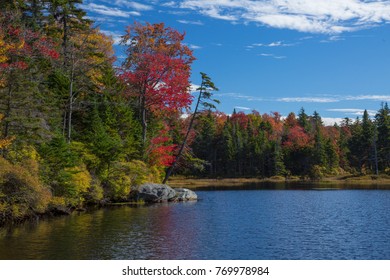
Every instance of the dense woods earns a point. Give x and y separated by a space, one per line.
76 128
266 145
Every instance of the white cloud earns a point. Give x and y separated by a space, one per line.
272 44
308 99
239 96
336 98
108 11
115 36
380 98
129 4
333 38
192 46
272 55
198 22
320 16
331 121
350 111
171 4
243 108
194 87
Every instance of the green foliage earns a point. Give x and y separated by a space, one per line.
317 172
124 175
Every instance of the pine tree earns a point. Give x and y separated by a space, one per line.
382 120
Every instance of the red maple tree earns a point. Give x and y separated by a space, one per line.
157 70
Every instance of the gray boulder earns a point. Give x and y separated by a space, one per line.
155 192
185 195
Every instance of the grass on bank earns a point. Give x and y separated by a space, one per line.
343 180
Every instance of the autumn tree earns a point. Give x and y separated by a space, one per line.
4 142
156 71
90 56
23 54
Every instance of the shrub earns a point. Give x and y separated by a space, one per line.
124 175
21 192
73 184
317 172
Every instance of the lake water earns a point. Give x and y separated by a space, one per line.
234 224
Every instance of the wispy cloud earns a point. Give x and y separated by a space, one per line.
242 108
130 4
331 121
192 46
380 98
320 16
108 11
194 87
308 99
272 55
197 22
171 4
116 36
313 99
240 96
350 111
336 98
273 44
333 38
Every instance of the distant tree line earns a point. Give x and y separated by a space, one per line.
255 145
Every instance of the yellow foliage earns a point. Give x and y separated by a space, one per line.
3 50
57 202
80 178
21 193
4 143
124 175
98 51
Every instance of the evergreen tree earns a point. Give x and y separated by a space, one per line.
361 144
382 121
303 120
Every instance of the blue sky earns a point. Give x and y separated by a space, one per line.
332 56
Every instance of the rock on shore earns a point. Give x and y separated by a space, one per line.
185 195
150 192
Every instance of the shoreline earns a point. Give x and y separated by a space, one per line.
342 182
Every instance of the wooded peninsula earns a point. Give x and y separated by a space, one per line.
78 126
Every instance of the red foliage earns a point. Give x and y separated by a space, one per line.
21 45
161 150
297 138
162 80
157 69
291 120
241 119
274 120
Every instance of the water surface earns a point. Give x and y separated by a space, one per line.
234 224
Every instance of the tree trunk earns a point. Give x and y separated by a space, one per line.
144 124
71 100
170 169
8 109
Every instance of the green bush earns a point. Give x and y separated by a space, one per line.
73 183
317 172
124 175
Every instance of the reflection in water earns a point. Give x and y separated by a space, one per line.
236 224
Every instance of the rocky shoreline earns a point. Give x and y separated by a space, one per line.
154 193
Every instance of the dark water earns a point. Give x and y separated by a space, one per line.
236 224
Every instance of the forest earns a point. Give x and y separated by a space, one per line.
78 126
